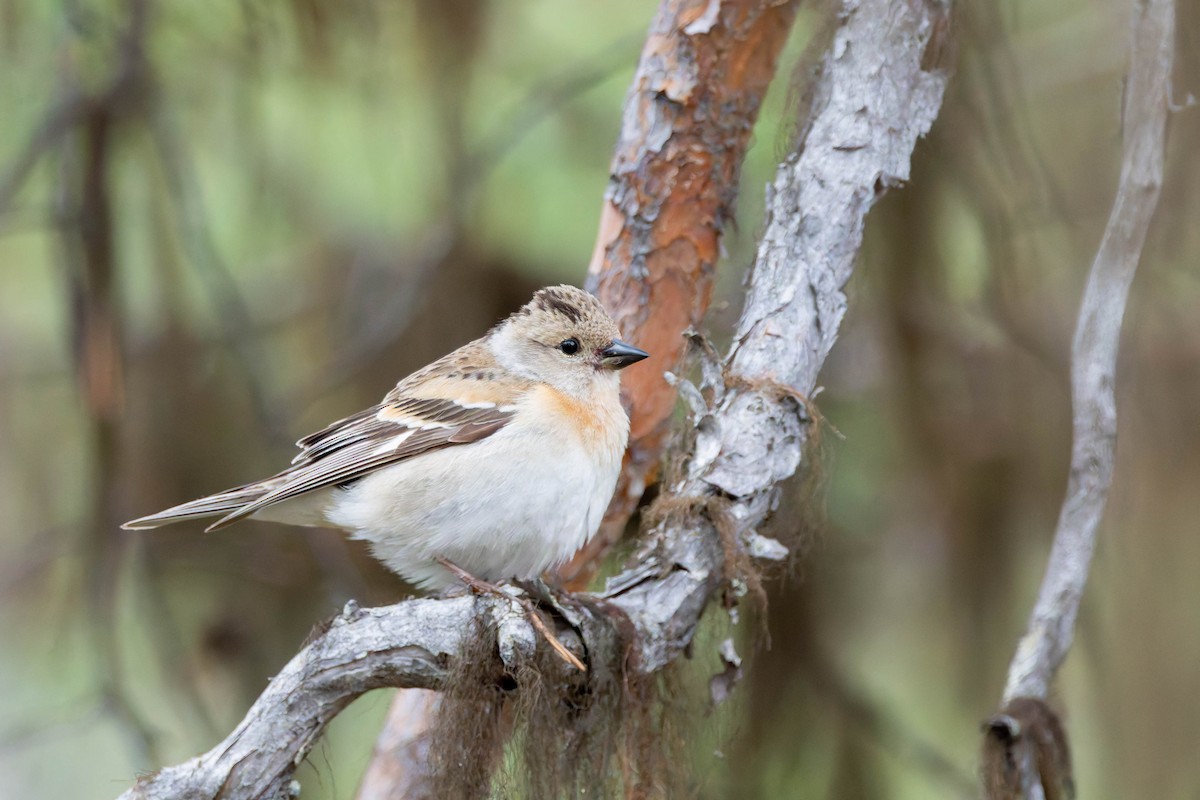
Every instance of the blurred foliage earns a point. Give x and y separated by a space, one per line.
308 200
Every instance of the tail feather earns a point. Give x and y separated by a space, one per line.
219 504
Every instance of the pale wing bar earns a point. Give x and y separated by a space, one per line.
356 446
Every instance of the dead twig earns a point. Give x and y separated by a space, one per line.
1093 375
1094 356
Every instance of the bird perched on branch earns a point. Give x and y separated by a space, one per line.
498 459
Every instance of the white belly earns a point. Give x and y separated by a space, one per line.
509 506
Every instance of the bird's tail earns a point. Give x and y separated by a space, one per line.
219 504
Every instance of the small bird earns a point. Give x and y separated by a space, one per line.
498 459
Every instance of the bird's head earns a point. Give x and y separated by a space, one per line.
565 338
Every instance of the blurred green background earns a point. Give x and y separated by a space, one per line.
307 200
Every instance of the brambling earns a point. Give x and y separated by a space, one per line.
499 458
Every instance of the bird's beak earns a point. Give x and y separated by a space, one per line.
619 355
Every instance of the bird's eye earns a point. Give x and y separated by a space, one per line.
569 346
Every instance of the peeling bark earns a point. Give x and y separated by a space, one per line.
674 180
873 99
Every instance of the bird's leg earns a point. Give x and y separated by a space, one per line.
479 586
475 585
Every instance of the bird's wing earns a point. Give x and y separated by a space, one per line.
457 400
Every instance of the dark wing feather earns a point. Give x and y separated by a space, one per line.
356 445
330 436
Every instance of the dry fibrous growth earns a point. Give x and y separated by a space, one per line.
876 91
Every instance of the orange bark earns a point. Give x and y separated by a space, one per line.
688 118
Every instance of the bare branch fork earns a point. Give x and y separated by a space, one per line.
1021 755
878 89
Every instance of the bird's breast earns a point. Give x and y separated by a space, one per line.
598 422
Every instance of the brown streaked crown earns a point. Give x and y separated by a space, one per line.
564 311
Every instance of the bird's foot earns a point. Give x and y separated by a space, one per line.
473 584
539 590
481 587
552 595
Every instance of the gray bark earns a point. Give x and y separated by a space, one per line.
1094 353
874 96
871 101
1030 758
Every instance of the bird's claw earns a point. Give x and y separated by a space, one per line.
482 587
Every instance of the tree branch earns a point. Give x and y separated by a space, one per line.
1094 353
877 95
1093 374
873 99
673 183
407 644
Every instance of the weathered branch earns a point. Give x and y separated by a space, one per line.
407 644
1093 374
674 179
875 96
1094 353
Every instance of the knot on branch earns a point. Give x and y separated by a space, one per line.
739 545
1025 745
719 391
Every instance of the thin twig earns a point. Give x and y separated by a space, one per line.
557 646
64 113
1026 751
237 322
483 587
1094 355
